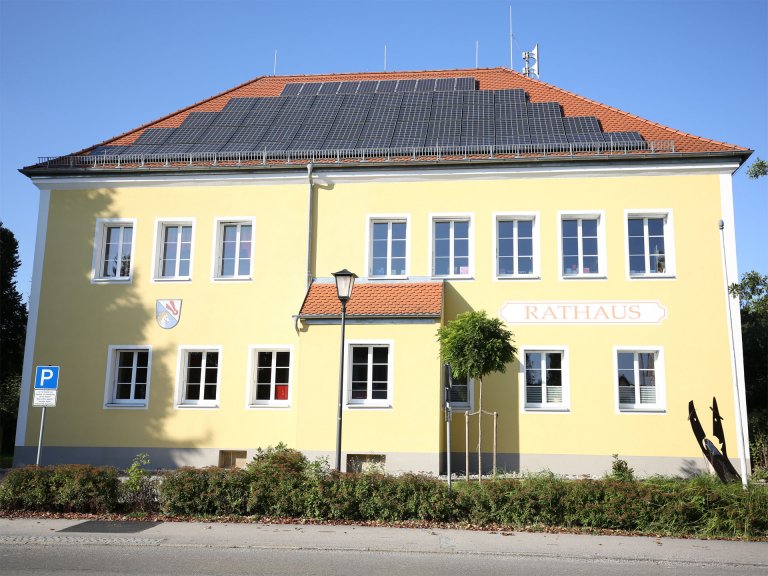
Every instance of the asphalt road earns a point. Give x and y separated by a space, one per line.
48 547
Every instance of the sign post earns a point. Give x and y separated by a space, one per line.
46 388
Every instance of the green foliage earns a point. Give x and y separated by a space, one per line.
66 488
758 443
753 293
475 345
758 169
208 491
139 491
621 471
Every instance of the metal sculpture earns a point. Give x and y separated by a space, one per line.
717 457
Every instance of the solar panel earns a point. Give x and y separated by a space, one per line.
140 149
367 86
106 150
265 110
185 135
623 137
197 119
317 122
467 83
477 122
381 121
154 136
575 124
172 148
445 119
349 122
516 96
329 87
205 147
545 109
292 89
445 84
248 134
511 114
425 85
235 112
545 123
232 147
348 87
406 85
311 88
387 86
219 134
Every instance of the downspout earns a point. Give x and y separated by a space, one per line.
310 206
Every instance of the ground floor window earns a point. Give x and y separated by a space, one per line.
128 376
639 379
200 377
545 377
271 377
370 374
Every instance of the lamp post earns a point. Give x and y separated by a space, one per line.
345 281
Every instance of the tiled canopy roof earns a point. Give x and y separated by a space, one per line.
405 300
572 105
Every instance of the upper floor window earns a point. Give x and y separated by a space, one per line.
234 250
460 391
128 376
451 246
516 246
649 245
388 250
545 375
370 374
175 251
582 246
639 379
113 255
272 377
199 377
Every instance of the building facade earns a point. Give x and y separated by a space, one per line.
183 279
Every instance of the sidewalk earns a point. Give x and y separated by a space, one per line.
361 538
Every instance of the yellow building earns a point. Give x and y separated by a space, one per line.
182 279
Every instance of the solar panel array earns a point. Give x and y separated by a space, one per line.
374 114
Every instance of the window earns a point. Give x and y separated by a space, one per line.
388 248
451 247
271 380
234 250
128 370
199 377
545 378
516 246
175 251
370 374
649 245
460 395
113 256
582 246
639 379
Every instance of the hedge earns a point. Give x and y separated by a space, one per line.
283 483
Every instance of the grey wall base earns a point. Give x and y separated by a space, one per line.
586 465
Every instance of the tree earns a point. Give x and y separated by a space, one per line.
13 327
474 346
759 168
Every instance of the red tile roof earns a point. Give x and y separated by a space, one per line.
407 299
612 119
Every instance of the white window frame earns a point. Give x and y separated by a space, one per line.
218 243
532 217
669 242
110 402
565 404
468 406
253 352
372 219
99 247
386 403
452 217
660 406
602 256
157 252
180 392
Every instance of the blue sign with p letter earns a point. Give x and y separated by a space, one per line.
47 378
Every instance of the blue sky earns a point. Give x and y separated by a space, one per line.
76 72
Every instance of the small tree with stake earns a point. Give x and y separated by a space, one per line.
474 346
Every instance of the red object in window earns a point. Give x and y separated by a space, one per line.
281 392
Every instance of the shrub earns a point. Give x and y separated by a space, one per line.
138 492
279 479
65 488
209 491
621 471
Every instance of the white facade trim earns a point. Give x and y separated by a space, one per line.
669 242
387 404
178 392
218 237
34 308
409 173
730 275
388 217
157 250
250 387
660 406
434 217
602 248
98 250
109 403
535 218
564 406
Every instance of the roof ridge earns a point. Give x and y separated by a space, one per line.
627 114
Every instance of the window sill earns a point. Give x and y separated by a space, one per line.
454 277
641 410
174 279
461 409
665 276
519 277
380 277
233 279
114 406
584 276
268 406
112 280
385 406
547 409
197 406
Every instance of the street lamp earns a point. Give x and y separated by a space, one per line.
345 281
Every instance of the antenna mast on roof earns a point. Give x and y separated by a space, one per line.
477 53
511 57
531 70
274 69
385 57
